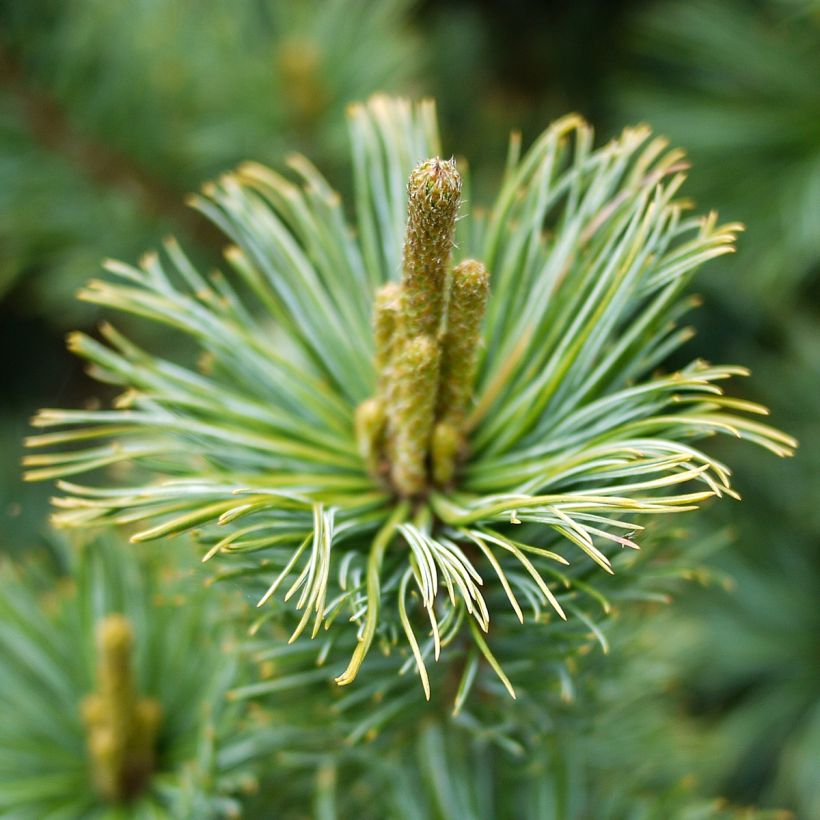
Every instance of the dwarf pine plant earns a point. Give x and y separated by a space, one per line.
417 473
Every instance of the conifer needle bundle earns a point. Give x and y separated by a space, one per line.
406 428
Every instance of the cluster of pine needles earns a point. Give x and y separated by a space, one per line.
506 425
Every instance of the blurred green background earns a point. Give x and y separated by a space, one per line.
110 112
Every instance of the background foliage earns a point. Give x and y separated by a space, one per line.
110 113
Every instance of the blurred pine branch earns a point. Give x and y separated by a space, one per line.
142 102
735 81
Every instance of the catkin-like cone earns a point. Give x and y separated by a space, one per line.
121 728
434 193
370 424
444 451
115 676
469 290
412 413
385 319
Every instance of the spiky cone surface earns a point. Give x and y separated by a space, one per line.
411 415
113 676
370 432
409 324
433 197
386 340
386 311
578 438
425 407
445 446
469 291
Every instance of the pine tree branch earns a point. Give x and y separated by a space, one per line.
51 127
